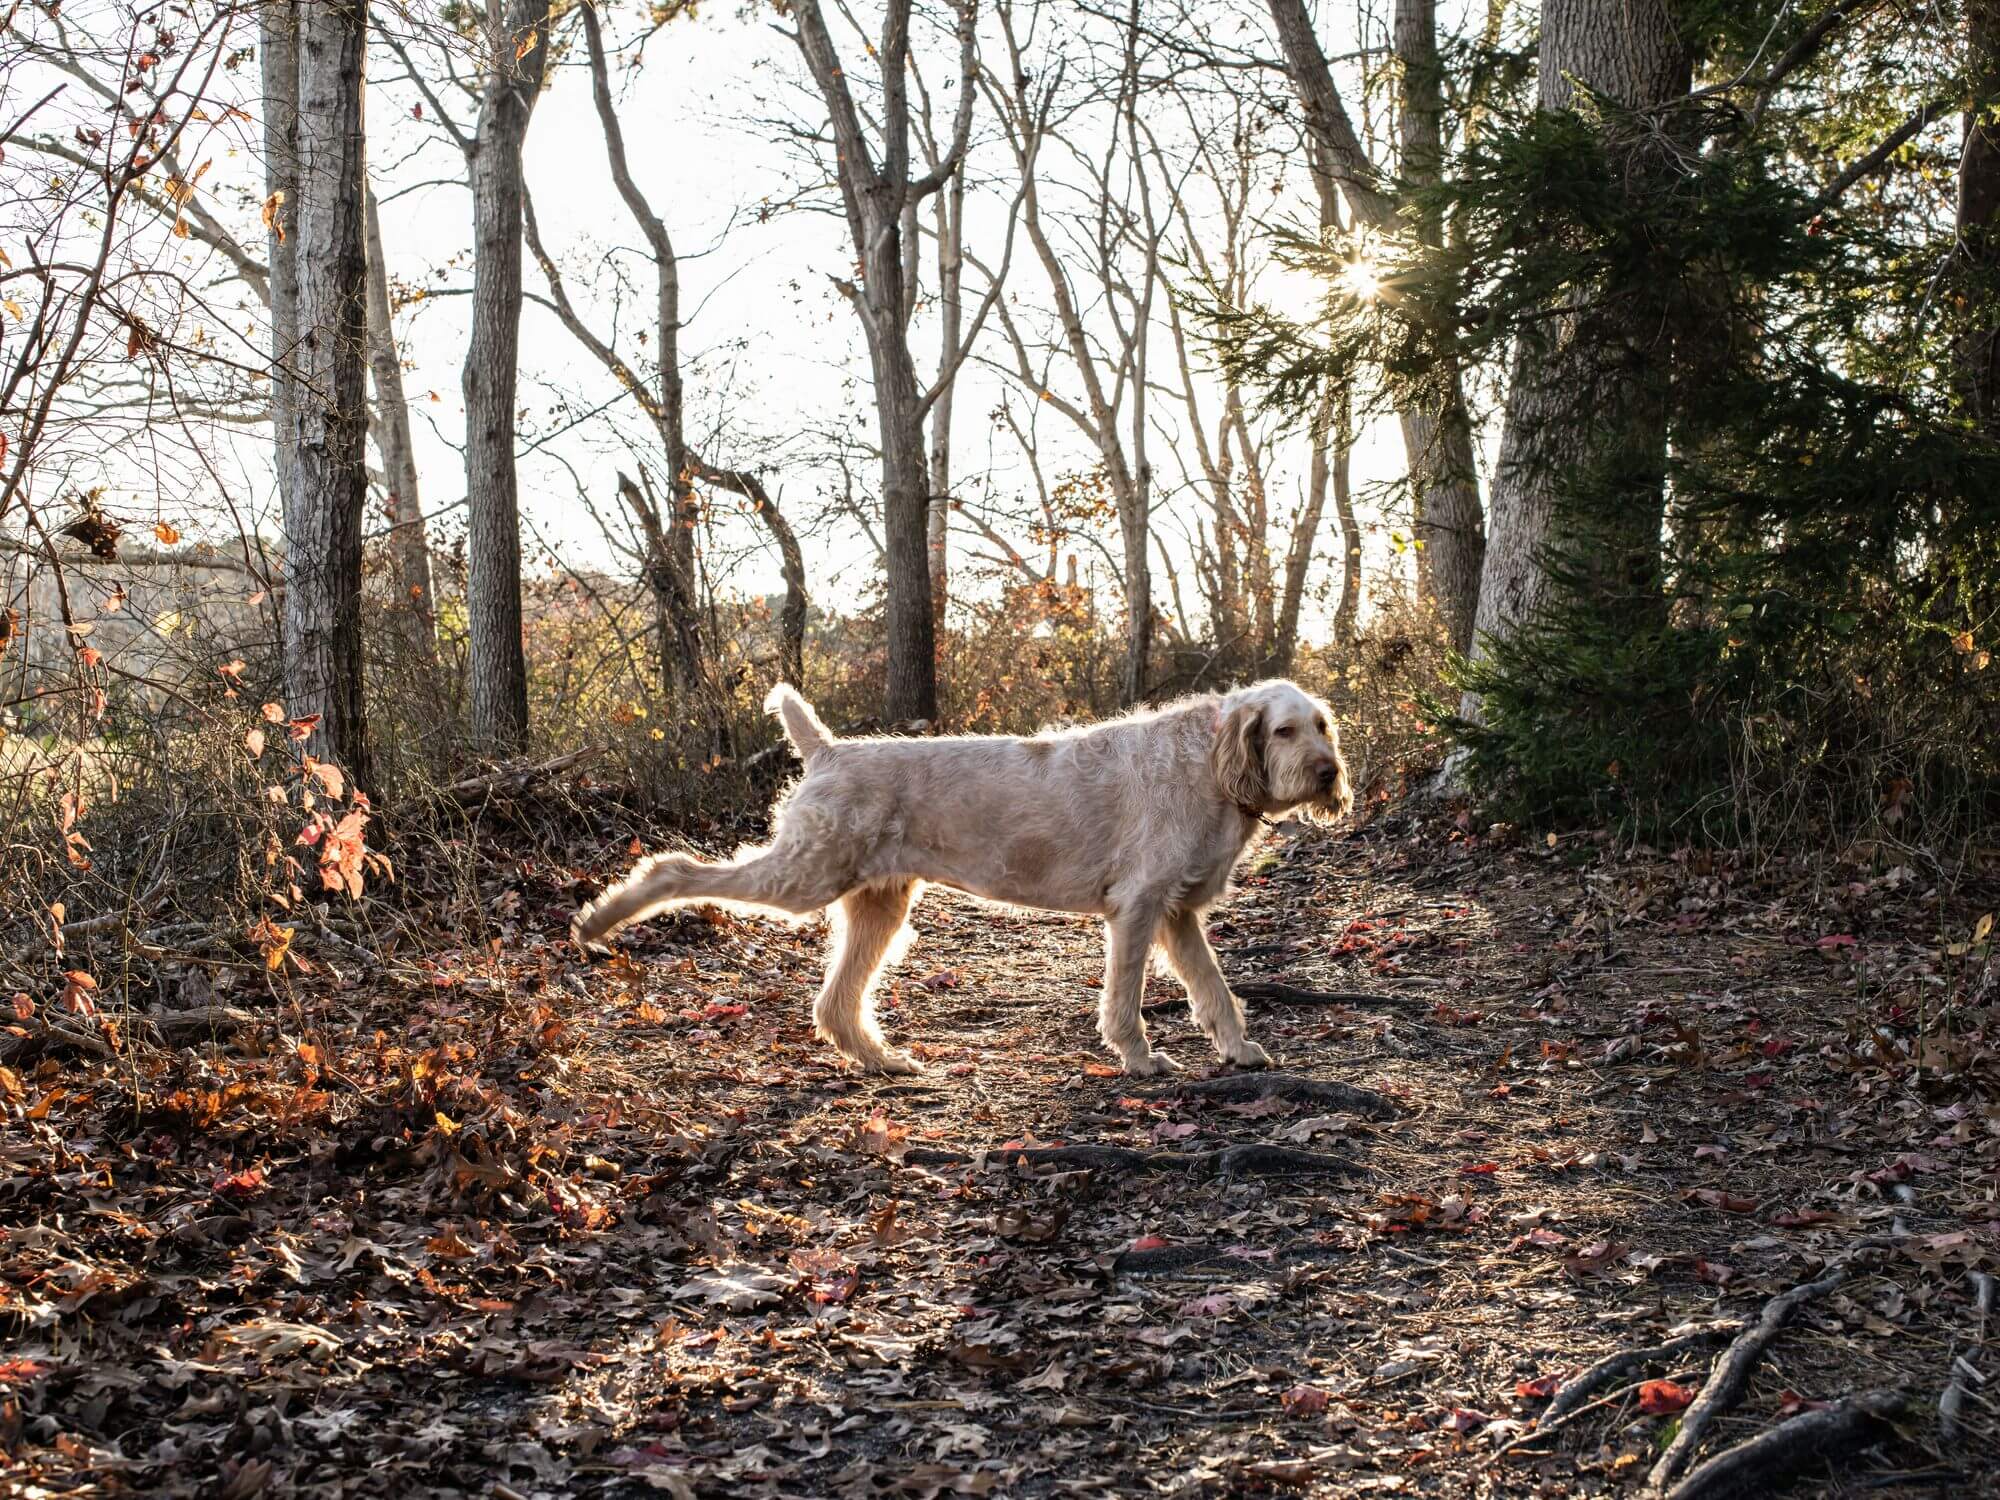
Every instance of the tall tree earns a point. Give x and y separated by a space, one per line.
409 541
278 61
1437 433
1978 352
1595 357
1120 274
669 531
880 198
515 45
325 416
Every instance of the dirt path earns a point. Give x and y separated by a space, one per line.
580 1231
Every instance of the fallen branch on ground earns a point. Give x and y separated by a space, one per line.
1255 1159
1246 1087
1758 1465
514 776
1272 992
1574 1392
1725 1383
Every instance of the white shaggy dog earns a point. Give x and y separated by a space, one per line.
1139 820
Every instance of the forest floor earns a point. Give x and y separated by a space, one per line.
489 1221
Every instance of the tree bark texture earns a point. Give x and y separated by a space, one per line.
517 39
1588 360
327 413
879 198
1977 355
1437 433
409 541
278 60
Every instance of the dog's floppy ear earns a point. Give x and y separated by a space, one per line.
1238 756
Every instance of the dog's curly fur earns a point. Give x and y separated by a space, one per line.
1140 820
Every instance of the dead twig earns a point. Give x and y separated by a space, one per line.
1725 1383
1758 1465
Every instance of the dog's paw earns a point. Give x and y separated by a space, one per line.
1152 1065
1247 1054
896 1064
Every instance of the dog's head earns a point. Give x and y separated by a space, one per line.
1276 750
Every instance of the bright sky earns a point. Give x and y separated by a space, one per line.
774 356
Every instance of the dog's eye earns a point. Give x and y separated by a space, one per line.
1282 732
1319 726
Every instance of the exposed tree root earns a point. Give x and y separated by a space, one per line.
1245 1087
1761 1464
1572 1393
1725 1383
1271 992
1227 1162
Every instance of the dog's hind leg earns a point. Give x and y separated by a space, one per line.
784 877
865 924
1128 935
1216 1010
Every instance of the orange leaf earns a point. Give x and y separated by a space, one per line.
165 532
1662 1398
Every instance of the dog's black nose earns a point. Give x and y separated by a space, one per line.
1328 775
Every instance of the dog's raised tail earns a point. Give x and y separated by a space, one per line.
802 725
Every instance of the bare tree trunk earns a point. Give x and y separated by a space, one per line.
1629 52
409 542
517 43
950 219
676 600
1977 354
1437 433
1327 440
791 563
1347 614
278 58
327 416
879 197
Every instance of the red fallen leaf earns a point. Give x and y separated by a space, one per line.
1802 1218
1150 1242
1835 940
1304 1401
242 1185
1539 1389
836 1291
1480 1169
719 1011
1777 1046
1715 1198
1791 1403
1662 1398
1548 1239
1465 1419
1714 1272
21 1371
1101 1070
77 986
1595 1256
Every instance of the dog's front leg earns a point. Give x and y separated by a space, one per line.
1128 935
1218 1012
